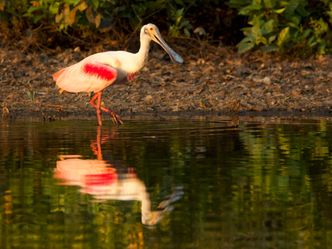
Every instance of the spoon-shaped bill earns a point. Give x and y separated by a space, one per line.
172 54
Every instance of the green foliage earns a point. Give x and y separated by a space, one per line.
101 15
273 25
180 24
285 25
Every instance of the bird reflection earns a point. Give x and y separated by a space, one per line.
103 181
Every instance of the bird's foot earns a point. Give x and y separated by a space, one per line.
116 118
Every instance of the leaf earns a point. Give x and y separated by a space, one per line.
319 26
82 6
301 9
256 29
283 36
54 8
306 33
312 41
245 45
58 18
293 25
296 8
291 7
238 3
186 32
97 20
261 39
89 15
71 17
2 5
269 3
246 11
272 39
279 11
72 2
35 3
94 3
268 27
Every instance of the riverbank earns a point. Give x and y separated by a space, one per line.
212 81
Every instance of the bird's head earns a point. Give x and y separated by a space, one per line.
151 32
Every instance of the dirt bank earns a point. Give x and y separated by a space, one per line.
213 80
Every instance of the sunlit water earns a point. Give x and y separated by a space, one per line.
158 184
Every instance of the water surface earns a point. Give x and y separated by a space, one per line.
169 184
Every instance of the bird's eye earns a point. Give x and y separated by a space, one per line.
151 29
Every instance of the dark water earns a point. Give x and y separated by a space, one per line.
175 184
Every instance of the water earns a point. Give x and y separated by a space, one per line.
170 184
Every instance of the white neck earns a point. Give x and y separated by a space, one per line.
142 54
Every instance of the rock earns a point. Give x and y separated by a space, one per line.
266 80
148 99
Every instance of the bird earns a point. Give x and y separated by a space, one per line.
96 72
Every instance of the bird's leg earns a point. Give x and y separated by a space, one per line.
131 76
115 117
97 98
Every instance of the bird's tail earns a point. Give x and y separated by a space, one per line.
57 74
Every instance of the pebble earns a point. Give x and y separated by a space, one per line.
148 99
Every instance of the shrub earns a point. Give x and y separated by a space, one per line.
273 25
285 25
95 15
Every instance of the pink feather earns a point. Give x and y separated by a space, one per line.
102 71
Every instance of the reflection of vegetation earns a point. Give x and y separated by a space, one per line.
279 155
283 163
256 186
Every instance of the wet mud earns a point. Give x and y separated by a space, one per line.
212 81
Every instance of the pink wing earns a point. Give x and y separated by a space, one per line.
85 76
101 71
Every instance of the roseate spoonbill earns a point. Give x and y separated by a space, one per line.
98 71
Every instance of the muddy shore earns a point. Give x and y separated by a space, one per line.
212 81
